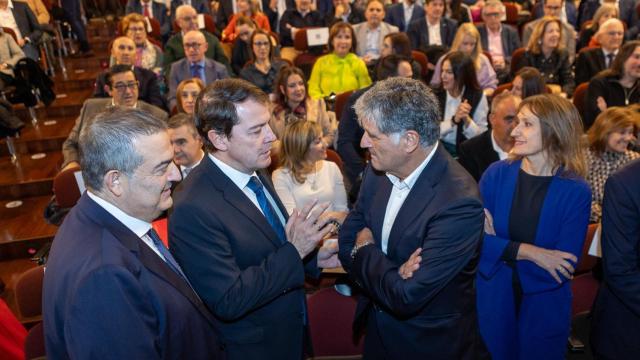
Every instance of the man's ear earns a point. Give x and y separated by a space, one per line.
107 89
219 141
410 141
113 183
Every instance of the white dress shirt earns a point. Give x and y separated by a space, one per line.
501 154
399 193
474 128
7 20
434 33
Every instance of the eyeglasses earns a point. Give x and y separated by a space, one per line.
195 46
261 43
122 87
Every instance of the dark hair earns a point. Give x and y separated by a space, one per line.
625 52
216 106
533 82
257 32
388 66
281 80
456 10
335 30
245 20
182 119
117 69
464 70
400 43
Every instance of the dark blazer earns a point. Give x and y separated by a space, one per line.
433 314
615 326
509 36
395 15
627 12
108 295
181 70
159 11
349 136
476 154
26 21
555 70
613 94
418 32
237 264
356 16
588 64
294 18
148 88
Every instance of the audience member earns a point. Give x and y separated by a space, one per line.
186 95
432 34
370 35
625 10
150 9
565 11
591 61
476 154
242 50
499 39
528 82
122 86
292 20
186 142
537 211
186 18
263 68
341 70
614 326
194 65
148 55
456 10
467 40
225 9
73 14
403 13
462 103
236 254
17 16
417 260
586 36
609 139
343 11
616 86
546 53
200 6
39 10
553 8
10 54
305 176
250 9
399 44
112 289
292 103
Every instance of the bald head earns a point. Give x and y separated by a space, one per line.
123 50
610 35
195 45
187 18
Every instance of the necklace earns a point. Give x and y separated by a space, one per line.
313 179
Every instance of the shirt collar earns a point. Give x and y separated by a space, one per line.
201 63
139 227
182 167
410 180
238 177
501 153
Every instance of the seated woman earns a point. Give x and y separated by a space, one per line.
616 86
187 93
305 175
586 37
463 104
292 104
609 139
341 70
528 82
537 212
10 54
148 55
467 40
250 9
399 44
241 52
263 68
545 52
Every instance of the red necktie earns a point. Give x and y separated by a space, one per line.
145 12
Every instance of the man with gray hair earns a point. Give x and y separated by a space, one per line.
413 240
590 62
112 290
499 39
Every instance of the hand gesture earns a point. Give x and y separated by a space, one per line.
555 262
410 266
328 255
305 229
462 114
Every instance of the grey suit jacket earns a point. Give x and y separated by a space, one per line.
180 70
10 53
568 37
361 35
90 109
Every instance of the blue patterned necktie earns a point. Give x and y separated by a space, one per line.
256 186
195 71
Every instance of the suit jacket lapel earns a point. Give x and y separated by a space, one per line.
147 257
602 62
379 208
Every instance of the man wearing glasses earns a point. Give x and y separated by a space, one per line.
500 40
554 8
123 89
194 65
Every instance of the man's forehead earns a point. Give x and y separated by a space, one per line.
124 76
123 41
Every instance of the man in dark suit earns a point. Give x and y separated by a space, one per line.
112 290
412 242
154 10
434 33
591 61
491 31
297 18
615 328
186 142
25 25
477 153
227 230
343 11
123 51
123 89
396 14
626 10
195 64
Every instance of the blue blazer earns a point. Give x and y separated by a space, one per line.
159 13
181 70
243 272
432 315
395 15
542 327
418 33
107 295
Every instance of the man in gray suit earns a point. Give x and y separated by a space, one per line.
195 64
123 88
370 34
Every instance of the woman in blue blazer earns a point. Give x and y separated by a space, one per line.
537 210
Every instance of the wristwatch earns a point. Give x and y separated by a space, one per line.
357 248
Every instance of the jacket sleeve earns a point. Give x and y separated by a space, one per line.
354 222
349 141
16 52
36 31
597 88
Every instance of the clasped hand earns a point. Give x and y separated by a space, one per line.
305 229
407 269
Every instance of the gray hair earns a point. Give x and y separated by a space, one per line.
107 143
396 105
502 97
494 4
180 10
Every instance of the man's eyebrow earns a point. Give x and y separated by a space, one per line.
162 164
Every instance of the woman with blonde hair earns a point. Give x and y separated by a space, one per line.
305 175
537 211
605 12
187 93
467 40
609 138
